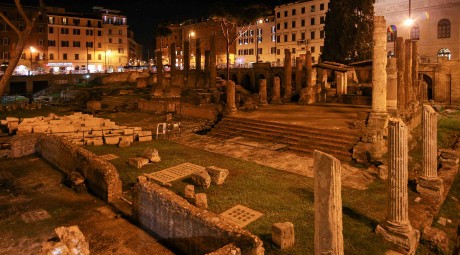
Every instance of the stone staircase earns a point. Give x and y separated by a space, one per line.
298 139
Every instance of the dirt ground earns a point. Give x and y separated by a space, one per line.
30 183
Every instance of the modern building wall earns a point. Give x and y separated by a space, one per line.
300 28
436 25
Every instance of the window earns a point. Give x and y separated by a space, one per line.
285 38
285 25
321 34
76 44
415 32
278 38
99 33
6 41
302 10
444 53
110 40
273 38
99 56
89 44
6 55
99 45
40 42
50 30
120 40
121 50
64 21
51 43
293 12
312 50
51 56
302 23
293 50
278 51
312 8
64 43
76 22
321 49
443 29
293 24
251 51
313 59
321 7
64 31
302 36
51 20
89 57
312 35
64 56
89 32
120 32
110 31
312 21
88 23
40 29
273 29
77 56
392 33
76 31
278 26
322 19
273 50
21 27
278 15
285 13
293 37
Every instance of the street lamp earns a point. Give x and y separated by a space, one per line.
32 51
409 22
260 21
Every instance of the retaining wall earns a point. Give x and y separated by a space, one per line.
189 229
101 176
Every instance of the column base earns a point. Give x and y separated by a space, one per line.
230 111
275 101
263 103
404 237
433 187
378 120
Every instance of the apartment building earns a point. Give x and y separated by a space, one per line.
258 43
164 43
435 24
34 53
300 28
134 50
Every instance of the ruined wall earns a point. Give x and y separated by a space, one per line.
158 106
188 228
209 112
445 76
101 176
24 145
123 77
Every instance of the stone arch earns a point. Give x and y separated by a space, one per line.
234 78
444 52
223 77
392 33
246 82
428 85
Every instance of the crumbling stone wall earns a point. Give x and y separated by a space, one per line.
208 112
130 77
188 228
24 145
101 176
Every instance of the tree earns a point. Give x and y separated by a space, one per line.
23 36
348 31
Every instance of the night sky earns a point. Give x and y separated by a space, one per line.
145 15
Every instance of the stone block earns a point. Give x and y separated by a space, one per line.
449 154
138 162
383 172
124 143
112 140
151 154
96 133
447 164
128 131
189 191
436 239
129 138
74 239
201 200
218 175
40 129
283 234
145 138
144 133
141 178
201 179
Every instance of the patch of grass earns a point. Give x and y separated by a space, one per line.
44 111
280 196
448 127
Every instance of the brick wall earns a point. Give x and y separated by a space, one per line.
189 229
101 176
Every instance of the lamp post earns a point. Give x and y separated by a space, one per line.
32 51
87 60
190 35
260 21
409 22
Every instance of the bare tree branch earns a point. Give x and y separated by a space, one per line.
9 23
21 11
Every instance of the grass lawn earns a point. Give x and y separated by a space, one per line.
280 196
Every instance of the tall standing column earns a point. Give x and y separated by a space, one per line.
172 53
212 62
400 56
197 62
263 92
159 59
328 204
396 228
429 183
415 82
276 95
298 74
287 75
186 62
379 63
231 107
408 73
206 68
392 85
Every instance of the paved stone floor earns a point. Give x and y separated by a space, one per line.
36 185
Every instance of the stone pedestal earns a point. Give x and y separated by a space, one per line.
429 183
276 97
396 228
283 234
328 204
392 85
263 92
287 75
379 63
231 107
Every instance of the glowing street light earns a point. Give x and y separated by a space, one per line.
190 35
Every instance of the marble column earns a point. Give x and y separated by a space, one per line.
197 62
379 63
408 73
186 62
287 75
308 94
206 68
415 82
396 228
400 63
328 204
392 85
263 92
298 74
231 107
159 60
276 96
212 62
429 183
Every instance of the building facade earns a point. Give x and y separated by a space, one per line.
300 28
34 53
258 44
436 25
